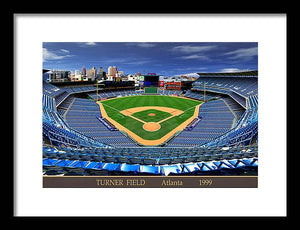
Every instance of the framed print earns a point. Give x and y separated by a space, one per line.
115 109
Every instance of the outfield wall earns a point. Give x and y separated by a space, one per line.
150 90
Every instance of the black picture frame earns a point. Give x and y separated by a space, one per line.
11 102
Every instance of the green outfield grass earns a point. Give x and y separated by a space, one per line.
159 115
113 106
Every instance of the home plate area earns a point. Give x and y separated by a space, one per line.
151 126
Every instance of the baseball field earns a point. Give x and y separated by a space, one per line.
150 119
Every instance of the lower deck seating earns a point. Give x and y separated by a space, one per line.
82 116
169 92
235 108
146 160
114 93
215 120
253 101
63 107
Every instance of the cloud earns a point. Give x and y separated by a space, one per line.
232 70
192 49
188 75
141 44
195 69
124 61
64 51
87 44
146 45
244 54
195 56
141 62
90 43
51 55
191 74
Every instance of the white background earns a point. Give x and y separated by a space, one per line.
270 196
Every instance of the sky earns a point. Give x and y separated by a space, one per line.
162 58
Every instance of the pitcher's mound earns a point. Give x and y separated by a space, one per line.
151 126
151 114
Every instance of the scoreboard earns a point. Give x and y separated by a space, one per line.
149 80
173 85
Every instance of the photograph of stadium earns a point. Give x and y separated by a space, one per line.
157 109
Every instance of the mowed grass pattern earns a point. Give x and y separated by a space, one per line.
113 106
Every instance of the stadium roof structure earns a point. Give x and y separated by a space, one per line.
252 73
46 70
150 75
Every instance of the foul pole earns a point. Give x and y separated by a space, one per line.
204 91
97 90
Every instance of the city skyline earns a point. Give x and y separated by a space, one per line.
163 58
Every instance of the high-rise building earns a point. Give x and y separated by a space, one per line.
83 71
100 73
112 70
77 76
92 74
77 72
109 71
